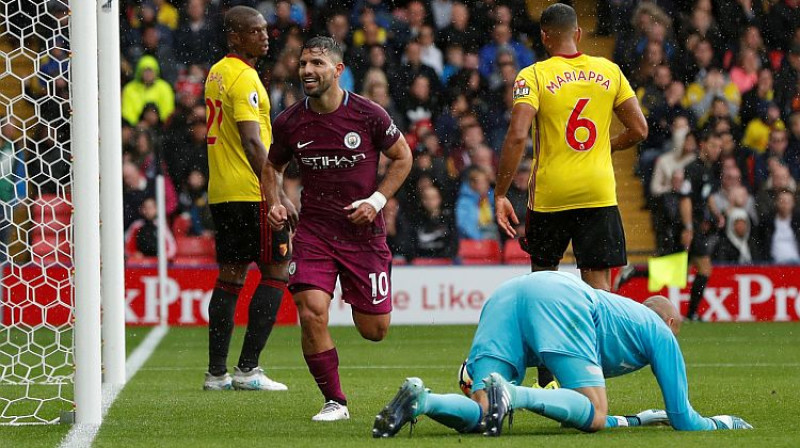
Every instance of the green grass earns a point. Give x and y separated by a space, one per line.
49 435
749 370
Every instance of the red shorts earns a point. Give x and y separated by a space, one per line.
364 269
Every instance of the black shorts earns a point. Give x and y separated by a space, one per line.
598 239
244 236
703 244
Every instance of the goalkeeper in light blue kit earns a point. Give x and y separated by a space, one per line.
582 335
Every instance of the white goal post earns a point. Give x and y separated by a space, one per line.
51 174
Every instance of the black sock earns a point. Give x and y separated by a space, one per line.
220 325
260 320
698 287
544 376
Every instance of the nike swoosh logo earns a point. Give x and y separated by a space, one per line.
377 302
303 145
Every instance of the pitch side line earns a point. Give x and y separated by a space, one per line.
82 435
702 365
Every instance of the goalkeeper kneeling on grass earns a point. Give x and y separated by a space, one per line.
582 335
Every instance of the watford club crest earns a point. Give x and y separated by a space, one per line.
521 89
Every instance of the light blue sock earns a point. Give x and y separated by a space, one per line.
453 410
562 405
617 421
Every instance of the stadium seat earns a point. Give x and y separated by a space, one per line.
51 212
141 260
181 225
479 251
513 253
50 247
195 261
431 261
195 246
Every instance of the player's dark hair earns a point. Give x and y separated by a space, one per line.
236 17
326 45
559 17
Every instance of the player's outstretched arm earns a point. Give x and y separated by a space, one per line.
670 372
522 116
631 116
365 210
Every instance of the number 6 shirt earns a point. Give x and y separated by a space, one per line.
575 97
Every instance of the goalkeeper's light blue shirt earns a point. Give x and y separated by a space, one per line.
558 313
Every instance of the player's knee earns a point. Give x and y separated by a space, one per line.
598 422
375 333
310 315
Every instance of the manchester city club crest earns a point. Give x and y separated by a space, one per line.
352 140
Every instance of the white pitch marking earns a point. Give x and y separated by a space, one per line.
82 435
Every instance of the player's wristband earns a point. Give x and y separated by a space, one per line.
376 201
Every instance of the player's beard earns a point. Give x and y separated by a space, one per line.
322 86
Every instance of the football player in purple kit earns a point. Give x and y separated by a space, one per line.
337 138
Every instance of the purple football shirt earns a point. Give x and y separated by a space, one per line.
338 157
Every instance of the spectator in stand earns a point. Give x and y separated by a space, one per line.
431 55
376 88
397 232
742 156
758 132
422 102
737 15
454 61
141 238
412 68
732 194
794 139
787 77
135 189
434 234
166 14
145 158
193 202
745 73
701 94
775 154
147 87
697 67
781 231
442 12
472 137
503 39
783 18
736 246
475 207
197 39
758 98
153 44
459 32
779 180
683 151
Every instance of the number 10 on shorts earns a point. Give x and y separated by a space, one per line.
380 283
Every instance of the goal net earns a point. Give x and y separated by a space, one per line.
36 331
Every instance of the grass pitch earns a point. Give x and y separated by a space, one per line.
749 370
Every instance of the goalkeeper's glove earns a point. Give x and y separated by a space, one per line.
730 422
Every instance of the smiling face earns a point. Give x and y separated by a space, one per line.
319 70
